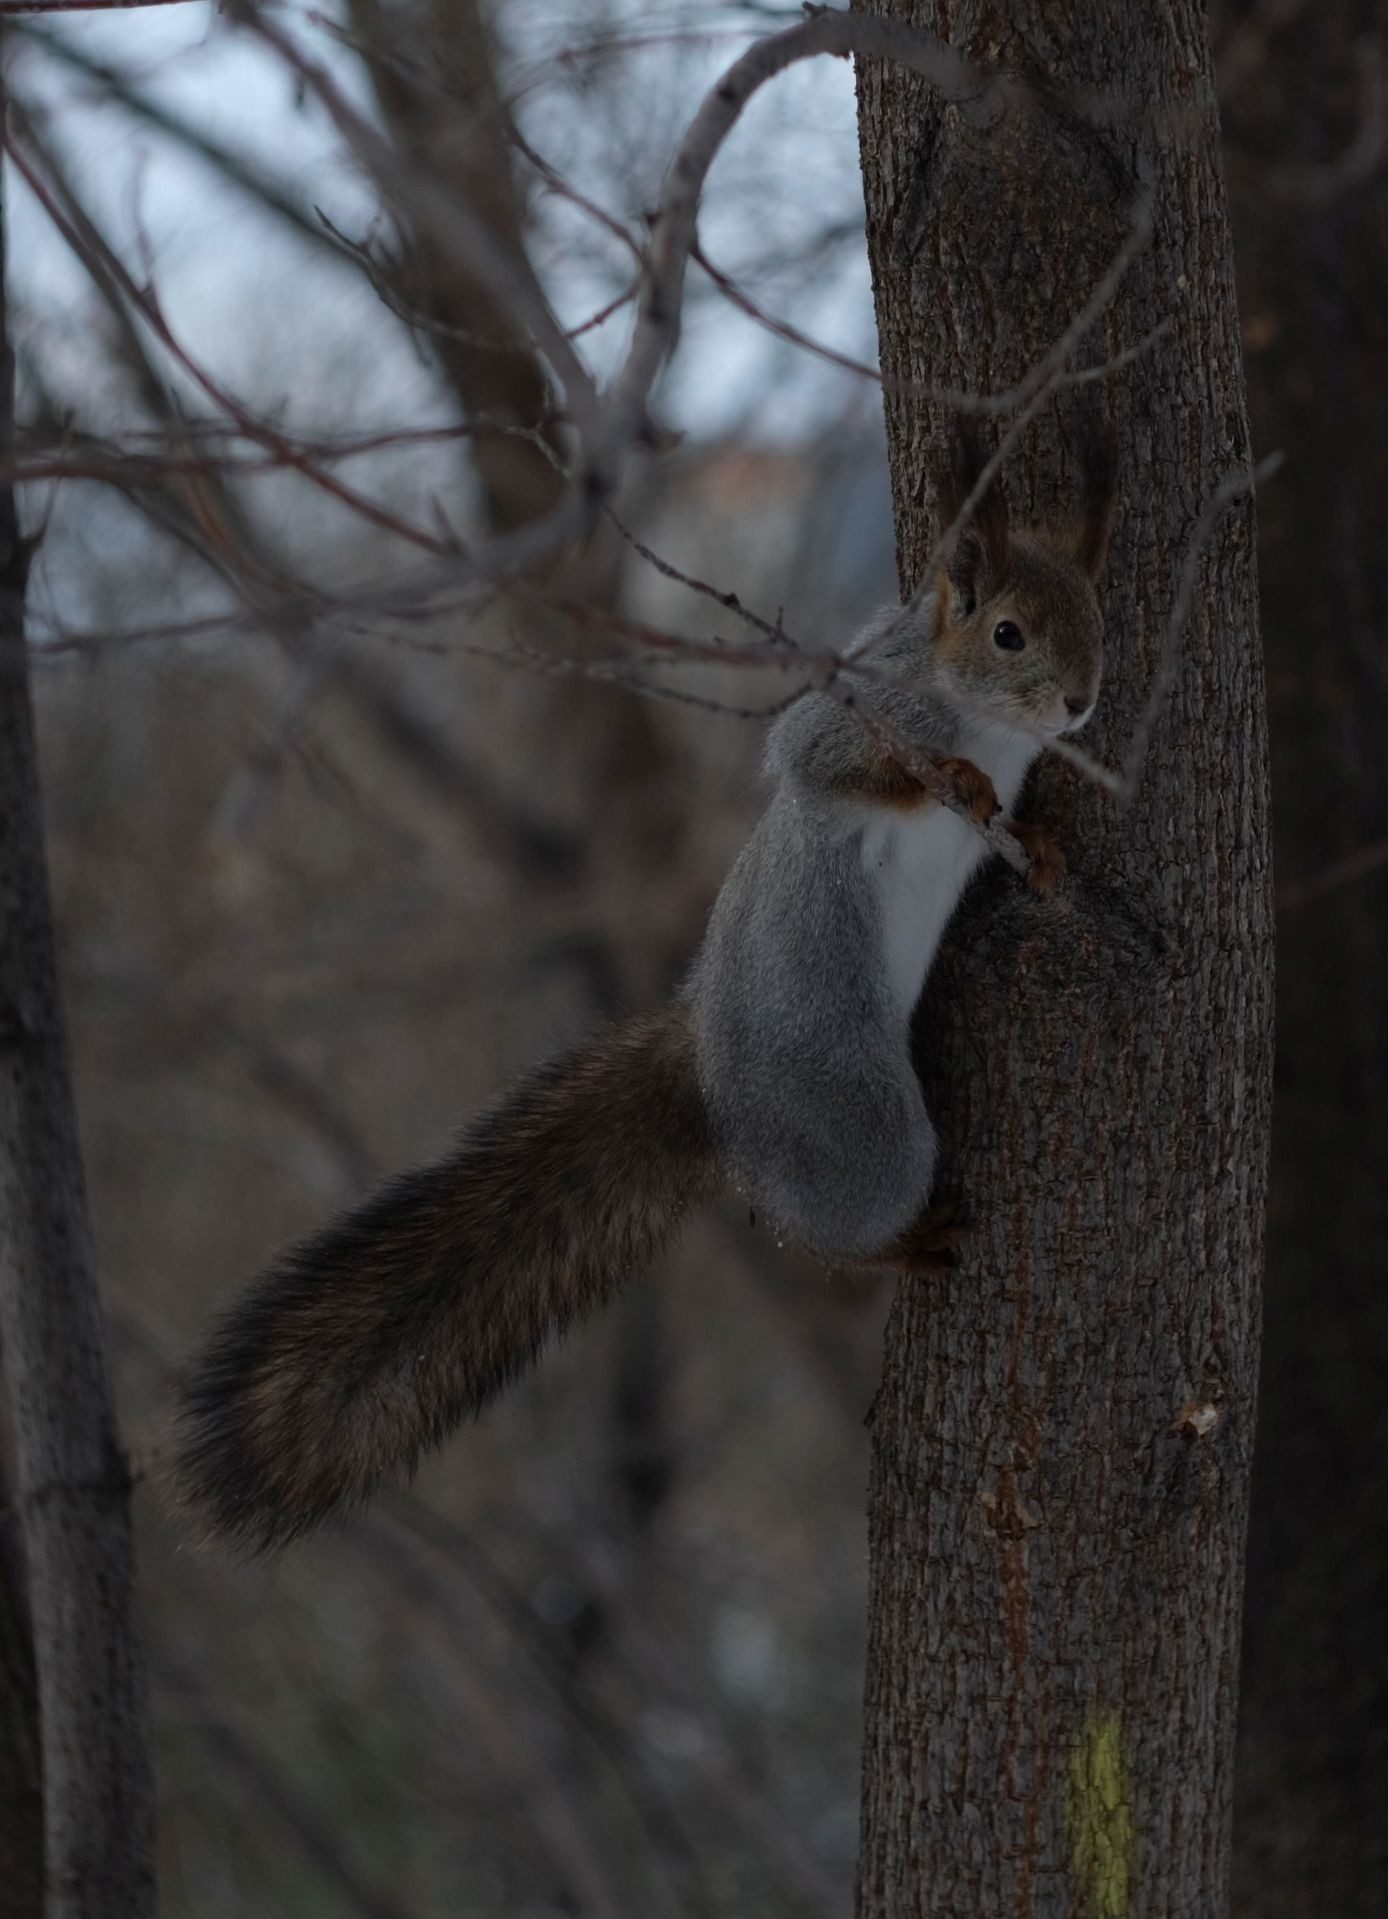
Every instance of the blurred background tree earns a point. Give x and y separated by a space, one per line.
1305 93
76 1782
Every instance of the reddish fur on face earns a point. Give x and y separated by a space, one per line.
1042 579
368 1344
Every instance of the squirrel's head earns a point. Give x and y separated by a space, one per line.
1019 635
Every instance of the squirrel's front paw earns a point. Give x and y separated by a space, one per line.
971 786
1047 860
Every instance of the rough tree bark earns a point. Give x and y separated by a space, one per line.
73 1481
21 1790
1309 195
1063 1434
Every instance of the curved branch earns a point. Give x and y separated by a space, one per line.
675 224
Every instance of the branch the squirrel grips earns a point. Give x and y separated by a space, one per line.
782 1064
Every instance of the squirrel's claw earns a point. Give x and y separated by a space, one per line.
1047 860
929 1244
971 786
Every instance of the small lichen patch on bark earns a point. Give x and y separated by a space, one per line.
1100 1810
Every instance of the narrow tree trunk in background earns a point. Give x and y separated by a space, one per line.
1311 238
444 111
1057 1533
21 1788
605 754
612 765
73 1482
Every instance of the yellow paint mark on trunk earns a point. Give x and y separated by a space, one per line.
1100 1807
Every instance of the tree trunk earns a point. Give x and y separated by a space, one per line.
444 112
73 1481
21 1790
1063 1434
1311 234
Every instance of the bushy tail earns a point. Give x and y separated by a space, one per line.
368 1344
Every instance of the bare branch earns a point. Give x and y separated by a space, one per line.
673 239
781 328
954 397
156 456
13 8
1232 487
719 1765
457 227
668 570
1363 158
312 1832
105 266
565 189
1038 386
211 523
1355 866
228 161
924 769
675 224
824 671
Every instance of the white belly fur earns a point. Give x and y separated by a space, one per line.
921 862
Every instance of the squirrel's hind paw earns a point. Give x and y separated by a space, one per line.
929 1244
1047 860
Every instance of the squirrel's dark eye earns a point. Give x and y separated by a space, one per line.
1008 634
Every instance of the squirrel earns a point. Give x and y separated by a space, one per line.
783 1062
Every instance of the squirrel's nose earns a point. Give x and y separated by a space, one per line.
1076 703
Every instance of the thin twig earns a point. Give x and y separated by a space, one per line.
317 1835
1355 866
675 224
667 568
825 672
87 457
956 398
231 163
91 248
1363 158
565 189
671 1845
1037 387
9 8
1232 487
457 228
924 769
783 329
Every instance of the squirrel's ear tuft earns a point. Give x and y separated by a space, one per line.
978 563
966 573
1099 461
